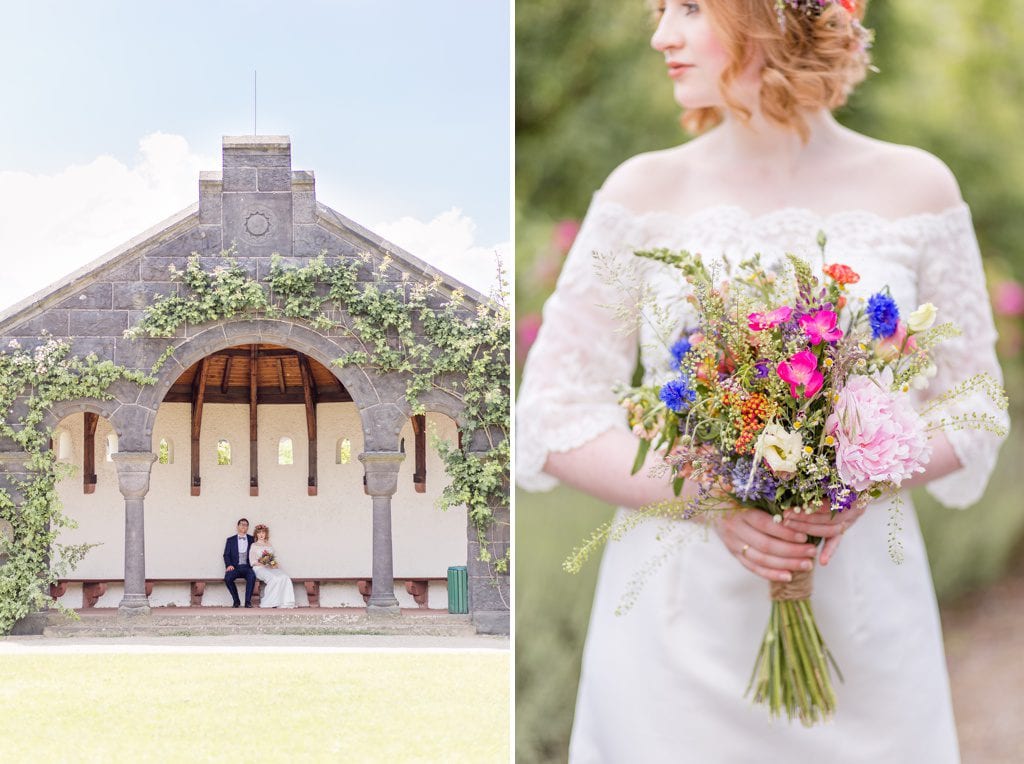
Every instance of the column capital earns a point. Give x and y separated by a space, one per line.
381 469
133 470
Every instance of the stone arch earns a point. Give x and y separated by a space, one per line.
106 409
361 384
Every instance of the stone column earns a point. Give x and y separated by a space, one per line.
133 469
381 483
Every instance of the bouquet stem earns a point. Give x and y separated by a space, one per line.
791 672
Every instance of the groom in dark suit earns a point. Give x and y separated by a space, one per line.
236 562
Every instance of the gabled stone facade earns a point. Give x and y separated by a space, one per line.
257 205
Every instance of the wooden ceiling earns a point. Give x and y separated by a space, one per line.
279 378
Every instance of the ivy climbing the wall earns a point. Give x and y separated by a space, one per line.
31 382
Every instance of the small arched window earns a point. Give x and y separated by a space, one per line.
343 453
165 451
284 451
223 452
64 446
111 446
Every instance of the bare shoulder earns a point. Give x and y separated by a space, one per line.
908 180
644 182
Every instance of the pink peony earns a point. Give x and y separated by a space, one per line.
820 326
879 436
769 319
801 370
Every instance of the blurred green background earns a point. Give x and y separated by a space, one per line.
589 94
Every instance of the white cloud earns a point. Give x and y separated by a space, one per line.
50 225
448 243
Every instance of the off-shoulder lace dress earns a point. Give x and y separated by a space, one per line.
664 682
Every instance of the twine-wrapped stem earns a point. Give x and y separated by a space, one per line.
797 589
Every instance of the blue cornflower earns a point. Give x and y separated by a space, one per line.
883 315
680 349
761 485
677 394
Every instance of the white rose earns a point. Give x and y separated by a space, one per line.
782 450
922 318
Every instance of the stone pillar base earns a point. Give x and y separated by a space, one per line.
491 621
132 605
383 610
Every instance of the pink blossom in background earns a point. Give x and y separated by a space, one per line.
801 370
527 327
820 326
1008 298
879 436
564 235
758 322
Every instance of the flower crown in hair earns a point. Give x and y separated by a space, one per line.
815 8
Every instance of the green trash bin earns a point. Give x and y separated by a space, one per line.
458 589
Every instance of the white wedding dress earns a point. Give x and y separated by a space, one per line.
278 590
665 681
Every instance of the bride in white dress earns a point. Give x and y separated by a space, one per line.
278 590
665 682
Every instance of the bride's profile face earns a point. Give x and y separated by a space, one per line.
694 55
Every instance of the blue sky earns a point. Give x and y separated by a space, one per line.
401 109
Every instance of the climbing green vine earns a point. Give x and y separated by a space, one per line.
32 380
436 338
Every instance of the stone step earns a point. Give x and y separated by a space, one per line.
311 621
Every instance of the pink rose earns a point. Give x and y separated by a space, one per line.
801 370
890 348
758 322
820 326
879 436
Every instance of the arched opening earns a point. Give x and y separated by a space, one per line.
285 453
65 445
111 447
223 453
343 451
165 451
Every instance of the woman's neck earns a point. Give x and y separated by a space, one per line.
775 149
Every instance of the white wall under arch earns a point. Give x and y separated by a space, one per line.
325 535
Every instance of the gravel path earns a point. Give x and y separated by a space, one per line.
985 650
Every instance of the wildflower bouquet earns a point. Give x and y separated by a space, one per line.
789 395
268 559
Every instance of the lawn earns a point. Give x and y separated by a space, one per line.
309 707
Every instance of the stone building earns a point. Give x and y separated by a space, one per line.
249 418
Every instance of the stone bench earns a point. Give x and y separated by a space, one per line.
94 588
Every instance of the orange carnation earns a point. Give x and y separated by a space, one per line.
842 274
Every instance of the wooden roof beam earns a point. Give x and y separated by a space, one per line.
254 478
309 393
198 396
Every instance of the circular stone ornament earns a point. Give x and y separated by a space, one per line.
257 224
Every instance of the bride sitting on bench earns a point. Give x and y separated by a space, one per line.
278 590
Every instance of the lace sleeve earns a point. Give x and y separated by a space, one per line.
951 277
584 347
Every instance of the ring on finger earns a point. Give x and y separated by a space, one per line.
743 551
